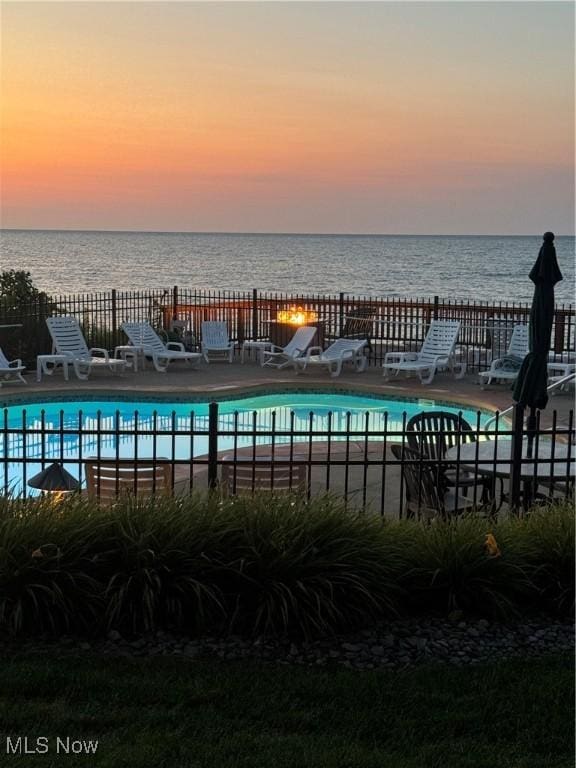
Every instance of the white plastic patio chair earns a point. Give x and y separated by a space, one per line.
69 343
143 337
11 369
280 357
339 352
506 368
437 352
215 339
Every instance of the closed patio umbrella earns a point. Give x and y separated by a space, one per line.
532 381
531 384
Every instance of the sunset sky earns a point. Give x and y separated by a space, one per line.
425 118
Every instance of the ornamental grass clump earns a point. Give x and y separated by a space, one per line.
466 565
267 565
49 566
167 564
311 568
545 543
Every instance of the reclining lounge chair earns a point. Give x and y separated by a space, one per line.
339 352
280 357
506 368
142 336
70 345
215 339
11 369
437 352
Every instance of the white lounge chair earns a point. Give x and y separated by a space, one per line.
339 352
437 352
69 346
215 338
506 368
563 374
280 357
144 338
11 369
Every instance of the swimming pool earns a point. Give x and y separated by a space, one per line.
70 430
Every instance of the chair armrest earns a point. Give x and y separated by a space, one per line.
506 363
313 350
399 357
176 346
15 363
99 352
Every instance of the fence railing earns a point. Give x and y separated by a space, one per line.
391 323
387 465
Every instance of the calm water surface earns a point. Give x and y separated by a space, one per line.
482 267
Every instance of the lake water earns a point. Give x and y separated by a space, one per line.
487 268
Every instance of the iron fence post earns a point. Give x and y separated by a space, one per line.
341 315
175 303
114 317
212 445
255 314
435 310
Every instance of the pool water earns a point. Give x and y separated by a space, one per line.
68 430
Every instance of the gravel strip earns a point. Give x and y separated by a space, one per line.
401 643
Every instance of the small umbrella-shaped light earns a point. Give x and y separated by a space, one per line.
54 480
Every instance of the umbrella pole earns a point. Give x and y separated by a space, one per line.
516 456
531 432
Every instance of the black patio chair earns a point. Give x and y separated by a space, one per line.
425 493
432 433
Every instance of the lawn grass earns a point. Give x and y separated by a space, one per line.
176 713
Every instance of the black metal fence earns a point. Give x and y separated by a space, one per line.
390 323
386 465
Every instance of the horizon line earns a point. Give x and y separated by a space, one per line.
265 234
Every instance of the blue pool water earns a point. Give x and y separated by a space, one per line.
68 431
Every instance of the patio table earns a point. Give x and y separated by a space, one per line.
551 463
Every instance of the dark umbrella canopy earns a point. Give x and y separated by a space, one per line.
532 381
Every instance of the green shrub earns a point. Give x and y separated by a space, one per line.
311 567
546 540
162 565
47 567
280 565
451 570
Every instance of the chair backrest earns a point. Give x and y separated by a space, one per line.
263 474
143 335
108 479
518 346
359 324
67 336
300 341
215 333
440 339
338 347
432 433
421 479
499 335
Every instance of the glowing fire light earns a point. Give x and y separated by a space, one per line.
296 316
